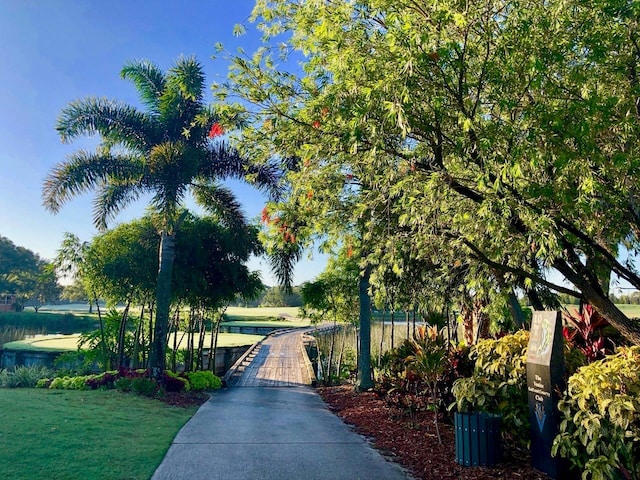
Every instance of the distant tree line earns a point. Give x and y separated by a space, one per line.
273 297
27 276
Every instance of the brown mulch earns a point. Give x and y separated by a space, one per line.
184 399
414 445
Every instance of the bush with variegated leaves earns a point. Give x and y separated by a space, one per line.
600 432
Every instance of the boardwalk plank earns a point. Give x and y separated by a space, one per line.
280 361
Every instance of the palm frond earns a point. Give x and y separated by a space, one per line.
221 202
148 79
111 198
187 77
115 122
226 162
83 171
282 260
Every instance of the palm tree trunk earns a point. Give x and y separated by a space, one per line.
167 255
365 331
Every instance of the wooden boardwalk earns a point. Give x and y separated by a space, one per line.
280 360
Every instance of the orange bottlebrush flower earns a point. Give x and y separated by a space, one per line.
216 130
306 162
276 220
349 251
316 124
325 112
310 194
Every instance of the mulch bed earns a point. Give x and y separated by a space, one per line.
184 399
414 445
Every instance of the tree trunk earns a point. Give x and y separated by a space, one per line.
408 321
103 338
604 306
364 366
122 331
211 366
516 310
331 348
199 359
152 308
393 326
381 340
167 255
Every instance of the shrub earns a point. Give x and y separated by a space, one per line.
58 383
43 383
23 376
204 380
586 332
600 432
144 386
175 383
498 384
123 384
105 381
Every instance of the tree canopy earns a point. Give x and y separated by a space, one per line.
499 138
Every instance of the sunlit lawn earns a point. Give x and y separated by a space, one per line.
62 434
59 343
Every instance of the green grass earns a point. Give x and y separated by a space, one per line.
61 434
267 312
66 343
50 321
268 323
224 340
48 343
280 317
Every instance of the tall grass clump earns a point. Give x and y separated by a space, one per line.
23 377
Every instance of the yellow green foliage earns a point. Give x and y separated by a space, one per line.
600 432
498 384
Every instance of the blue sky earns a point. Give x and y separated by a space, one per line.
55 51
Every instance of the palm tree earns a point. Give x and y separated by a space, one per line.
168 151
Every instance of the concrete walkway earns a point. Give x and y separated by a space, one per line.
271 433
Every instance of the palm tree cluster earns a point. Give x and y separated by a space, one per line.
167 151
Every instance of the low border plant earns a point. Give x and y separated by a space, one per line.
498 384
600 432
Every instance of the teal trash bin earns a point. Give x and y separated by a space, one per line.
478 440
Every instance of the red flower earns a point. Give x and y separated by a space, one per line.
216 130
316 124
349 176
266 218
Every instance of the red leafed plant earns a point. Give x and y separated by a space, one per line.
584 331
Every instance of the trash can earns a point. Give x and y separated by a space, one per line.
478 440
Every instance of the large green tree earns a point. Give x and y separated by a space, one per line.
497 132
166 151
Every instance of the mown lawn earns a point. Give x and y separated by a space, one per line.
61 434
69 343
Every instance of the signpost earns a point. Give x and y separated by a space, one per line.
545 381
